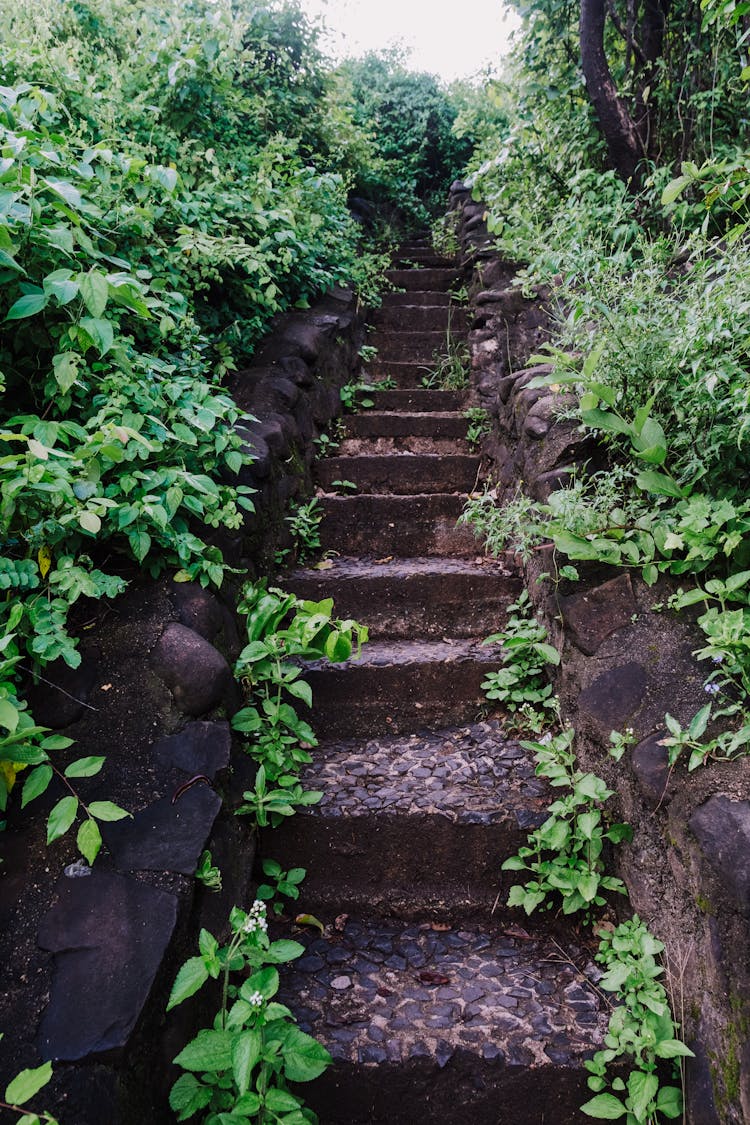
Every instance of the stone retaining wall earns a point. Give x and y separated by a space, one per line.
624 665
89 955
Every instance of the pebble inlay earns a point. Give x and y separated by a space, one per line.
469 773
387 993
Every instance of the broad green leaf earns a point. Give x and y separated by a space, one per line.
674 190
338 647
61 818
65 190
302 690
61 286
89 840
9 714
100 331
36 784
94 291
28 305
106 810
85 767
209 1051
284 950
27 1083
246 1050
249 1103
660 484
669 1101
547 652
699 722
89 521
265 981
672 1049
192 976
188 1095
604 1106
66 369
304 1058
642 1089
281 1101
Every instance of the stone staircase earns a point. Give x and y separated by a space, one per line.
435 1003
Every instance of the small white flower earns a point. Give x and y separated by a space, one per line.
256 1000
712 689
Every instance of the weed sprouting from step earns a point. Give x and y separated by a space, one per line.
241 1066
480 425
304 521
450 367
521 686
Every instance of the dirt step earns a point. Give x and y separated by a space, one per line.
424 280
419 400
416 347
416 827
402 474
416 297
394 424
470 1026
414 597
420 318
407 376
376 526
397 687
409 443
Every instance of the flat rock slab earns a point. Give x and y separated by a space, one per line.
615 695
200 747
722 828
474 1017
592 616
108 935
414 598
168 835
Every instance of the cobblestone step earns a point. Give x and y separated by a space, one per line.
402 474
470 1026
379 526
419 400
416 297
420 318
402 424
400 687
415 597
414 826
424 280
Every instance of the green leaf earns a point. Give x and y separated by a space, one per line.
284 950
29 305
66 369
209 1051
604 1106
89 521
669 1101
85 767
699 722
281 1101
100 331
246 1050
192 976
659 484
36 784
94 291
642 1089
265 981
61 818
672 1049
89 840
188 1095
674 190
106 810
27 1083
304 1058
9 714
302 690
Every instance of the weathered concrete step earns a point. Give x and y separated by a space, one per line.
414 347
399 687
407 376
394 424
417 826
420 318
419 400
414 597
474 1027
375 526
416 297
409 443
424 280
402 474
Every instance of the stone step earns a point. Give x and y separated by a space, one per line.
416 297
418 400
471 1026
401 474
409 443
424 280
415 347
407 376
376 526
414 826
393 424
425 597
398 687
420 318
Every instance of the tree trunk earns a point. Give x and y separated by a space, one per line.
618 128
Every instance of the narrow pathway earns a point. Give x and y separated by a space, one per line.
434 1007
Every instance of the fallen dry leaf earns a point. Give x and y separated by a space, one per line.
339 924
428 977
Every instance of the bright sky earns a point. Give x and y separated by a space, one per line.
443 38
